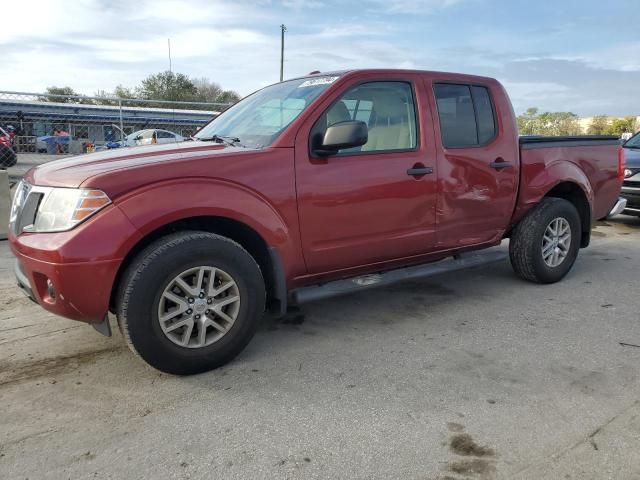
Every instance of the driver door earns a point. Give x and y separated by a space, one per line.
364 205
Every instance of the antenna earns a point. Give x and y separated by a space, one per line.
169 46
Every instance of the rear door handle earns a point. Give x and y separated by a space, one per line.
500 164
419 171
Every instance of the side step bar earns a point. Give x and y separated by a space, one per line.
341 287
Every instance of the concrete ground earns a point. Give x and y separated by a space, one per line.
470 375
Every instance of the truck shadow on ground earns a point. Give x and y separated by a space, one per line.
427 303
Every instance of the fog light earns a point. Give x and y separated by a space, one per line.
50 289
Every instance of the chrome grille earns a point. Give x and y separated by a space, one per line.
24 207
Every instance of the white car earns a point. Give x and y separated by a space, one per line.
151 136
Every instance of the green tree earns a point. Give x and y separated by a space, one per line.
124 92
598 125
559 123
167 86
528 122
548 123
212 92
62 99
618 126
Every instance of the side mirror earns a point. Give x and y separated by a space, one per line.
349 134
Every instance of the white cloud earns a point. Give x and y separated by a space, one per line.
418 6
94 45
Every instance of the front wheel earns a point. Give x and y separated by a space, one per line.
545 244
190 302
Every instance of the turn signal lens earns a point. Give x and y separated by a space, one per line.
89 203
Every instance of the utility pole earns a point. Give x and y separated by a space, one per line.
169 47
283 29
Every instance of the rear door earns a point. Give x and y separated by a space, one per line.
364 205
477 163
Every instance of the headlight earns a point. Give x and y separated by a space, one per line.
63 208
630 172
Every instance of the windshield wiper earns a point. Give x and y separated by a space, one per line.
632 146
229 140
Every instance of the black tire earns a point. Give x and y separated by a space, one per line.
525 246
150 272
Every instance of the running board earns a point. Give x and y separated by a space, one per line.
363 282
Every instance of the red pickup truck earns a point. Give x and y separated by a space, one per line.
306 188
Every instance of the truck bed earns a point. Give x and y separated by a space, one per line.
589 160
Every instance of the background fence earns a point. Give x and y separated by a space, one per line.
87 123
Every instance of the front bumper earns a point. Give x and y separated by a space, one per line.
76 291
632 195
72 273
619 207
23 281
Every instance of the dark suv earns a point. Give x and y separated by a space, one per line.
631 185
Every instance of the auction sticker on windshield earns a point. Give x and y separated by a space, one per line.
318 81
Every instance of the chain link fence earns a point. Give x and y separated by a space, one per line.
47 124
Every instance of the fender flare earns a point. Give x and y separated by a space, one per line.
545 180
154 206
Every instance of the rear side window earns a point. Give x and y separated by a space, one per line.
484 114
465 113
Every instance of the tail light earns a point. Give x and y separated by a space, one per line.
621 164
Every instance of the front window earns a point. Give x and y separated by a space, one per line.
386 107
633 141
258 120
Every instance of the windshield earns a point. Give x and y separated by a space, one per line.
257 120
633 141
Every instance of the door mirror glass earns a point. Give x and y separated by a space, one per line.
348 134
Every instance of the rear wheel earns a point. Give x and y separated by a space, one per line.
545 244
190 302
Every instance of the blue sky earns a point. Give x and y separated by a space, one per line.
582 56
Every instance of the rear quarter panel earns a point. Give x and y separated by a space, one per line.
594 168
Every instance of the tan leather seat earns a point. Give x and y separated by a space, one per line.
338 113
391 130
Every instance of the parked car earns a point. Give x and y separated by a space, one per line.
8 156
152 136
310 187
631 184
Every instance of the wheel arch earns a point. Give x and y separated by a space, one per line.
559 178
267 257
573 193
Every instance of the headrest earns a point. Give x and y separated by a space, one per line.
389 106
338 113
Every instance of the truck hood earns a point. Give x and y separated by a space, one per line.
632 157
82 170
